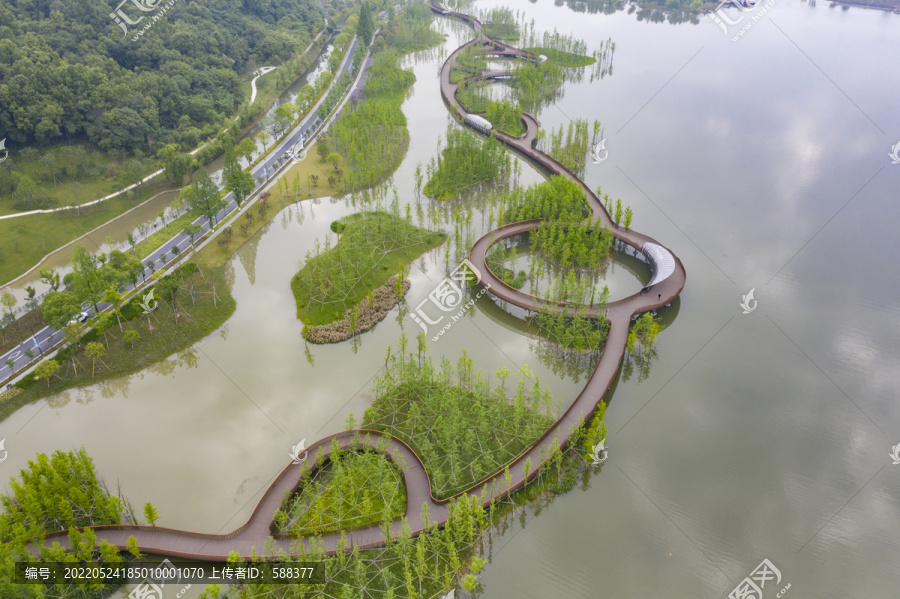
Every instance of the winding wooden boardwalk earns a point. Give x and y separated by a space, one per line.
257 531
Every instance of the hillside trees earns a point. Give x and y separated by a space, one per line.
175 162
176 82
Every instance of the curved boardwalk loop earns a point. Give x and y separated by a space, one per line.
666 284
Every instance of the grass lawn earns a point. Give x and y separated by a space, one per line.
566 59
198 317
24 241
351 490
373 246
99 175
151 243
21 330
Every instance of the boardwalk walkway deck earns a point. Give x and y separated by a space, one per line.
258 530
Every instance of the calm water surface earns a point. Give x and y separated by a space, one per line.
763 164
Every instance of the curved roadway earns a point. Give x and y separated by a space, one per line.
258 530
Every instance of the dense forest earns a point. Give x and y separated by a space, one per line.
67 70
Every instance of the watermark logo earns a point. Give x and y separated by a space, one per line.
6 453
146 590
150 588
148 304
146 6
600 453
448 5
720 18
120 18
297 152
600 153
6 152
448 297
895 153
752 586
894 456
296 458
748 303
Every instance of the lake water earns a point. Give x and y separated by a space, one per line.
762 164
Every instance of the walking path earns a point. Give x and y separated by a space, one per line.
258 530
278 158
262 72
152 175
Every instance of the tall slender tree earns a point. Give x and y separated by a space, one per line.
203 196
365 28
238 181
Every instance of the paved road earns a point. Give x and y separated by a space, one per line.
48 337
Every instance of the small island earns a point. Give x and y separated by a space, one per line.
347 289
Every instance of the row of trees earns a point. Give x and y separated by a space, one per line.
568 144
556 42
572 332
582 244
461 425
603 59
427 566
506 116
107 339
8 304
93 279
558 197
618 212
500 23
335 95
465 159
177 163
